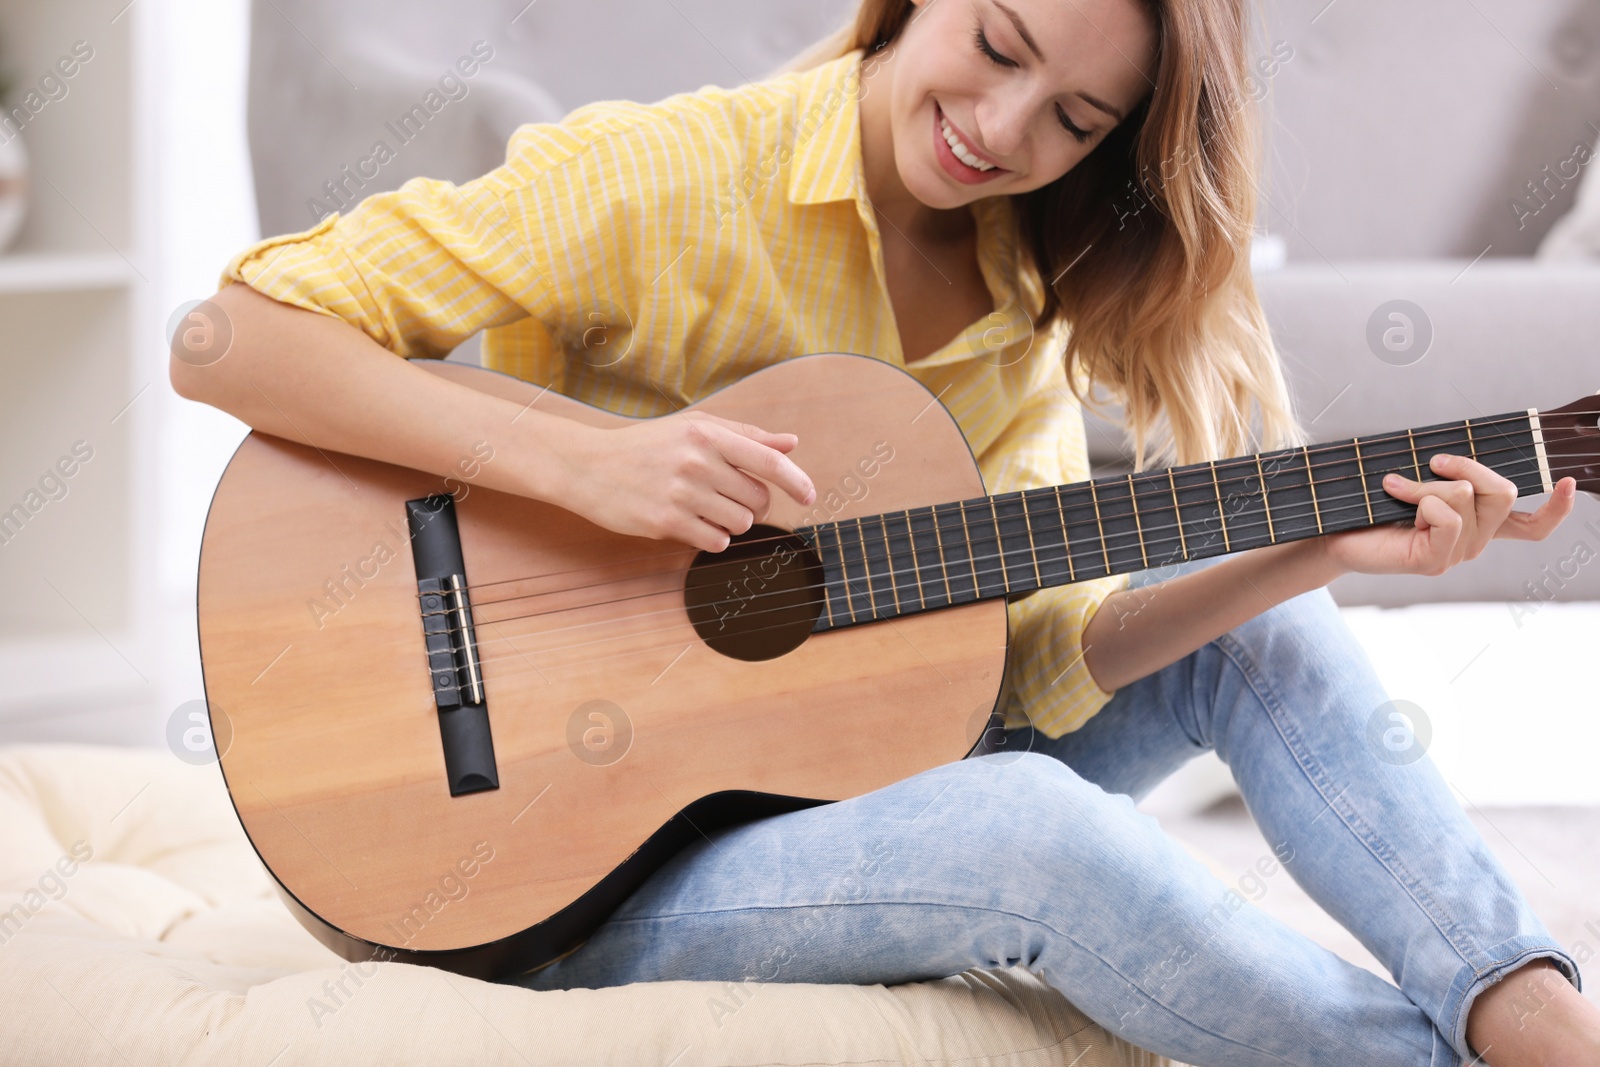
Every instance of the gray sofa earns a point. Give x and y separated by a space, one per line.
1399 137
1413 149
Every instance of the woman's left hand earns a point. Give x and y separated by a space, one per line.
1457 517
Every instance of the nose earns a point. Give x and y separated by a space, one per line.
1003 123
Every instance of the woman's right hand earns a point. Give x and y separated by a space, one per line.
684 477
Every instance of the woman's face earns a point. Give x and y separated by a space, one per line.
1010 109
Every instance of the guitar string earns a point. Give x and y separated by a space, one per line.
1296 457
857 595
956 528
1335 505
635 649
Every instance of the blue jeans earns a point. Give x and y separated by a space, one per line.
1035 855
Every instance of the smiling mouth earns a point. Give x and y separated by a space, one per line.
959 149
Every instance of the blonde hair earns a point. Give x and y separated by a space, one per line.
1146 243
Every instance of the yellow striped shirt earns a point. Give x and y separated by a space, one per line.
707 235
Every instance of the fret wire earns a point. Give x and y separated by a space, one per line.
1104 551
999 545
916 564
888 556
1366 491
1222 512
844 572
1177 516
844 578
967 531
1311 480
1266 505
944 568
1066 545
1138 526
866 565
1033 549
827 601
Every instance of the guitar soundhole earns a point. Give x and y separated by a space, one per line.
759 597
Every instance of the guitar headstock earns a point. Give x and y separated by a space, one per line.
1572 442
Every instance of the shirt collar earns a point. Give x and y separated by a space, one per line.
825 143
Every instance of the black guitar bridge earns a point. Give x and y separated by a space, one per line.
452 645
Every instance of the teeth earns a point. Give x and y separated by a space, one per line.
962 152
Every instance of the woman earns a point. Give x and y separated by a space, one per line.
953 185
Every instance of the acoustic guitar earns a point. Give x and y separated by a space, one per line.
460 726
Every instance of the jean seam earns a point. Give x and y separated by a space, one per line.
968 907
1374 843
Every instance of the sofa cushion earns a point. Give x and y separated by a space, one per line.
1494 336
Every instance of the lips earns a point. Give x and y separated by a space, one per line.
951 165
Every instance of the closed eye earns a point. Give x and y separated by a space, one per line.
1079 133
989 50
1072 127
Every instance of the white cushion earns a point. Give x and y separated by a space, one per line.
170 944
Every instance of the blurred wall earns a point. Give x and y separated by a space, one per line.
1396 131
328 81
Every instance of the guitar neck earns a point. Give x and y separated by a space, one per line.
899 562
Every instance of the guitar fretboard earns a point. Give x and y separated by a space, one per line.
899 562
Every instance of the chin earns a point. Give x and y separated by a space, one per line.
936 198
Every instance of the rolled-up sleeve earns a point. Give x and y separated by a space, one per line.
418 269
1047 683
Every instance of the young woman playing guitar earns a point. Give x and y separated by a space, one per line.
1010 199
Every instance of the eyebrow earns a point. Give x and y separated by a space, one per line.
1027 39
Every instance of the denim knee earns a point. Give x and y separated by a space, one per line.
1028 785
1030 802
1308 617
1301 642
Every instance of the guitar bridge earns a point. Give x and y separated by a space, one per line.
451 642
451 645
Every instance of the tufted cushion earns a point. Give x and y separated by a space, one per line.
137 926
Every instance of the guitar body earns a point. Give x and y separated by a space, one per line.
619 734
